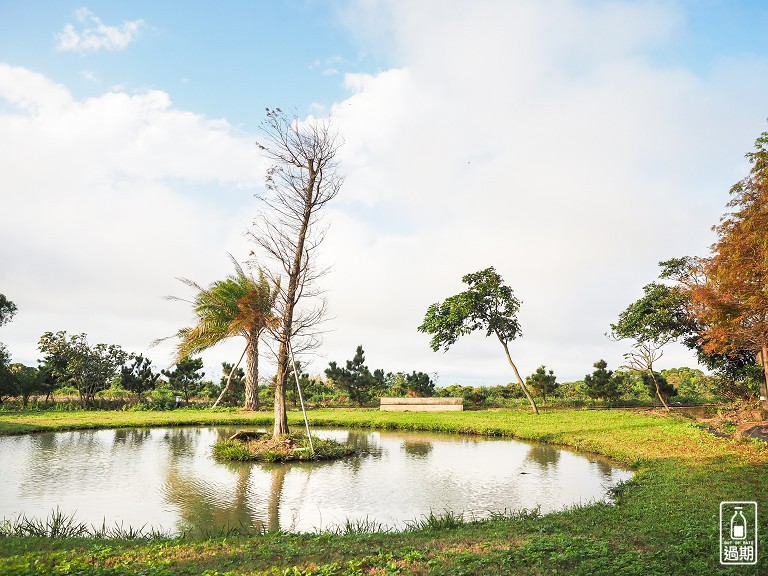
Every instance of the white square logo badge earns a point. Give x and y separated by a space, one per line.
738 533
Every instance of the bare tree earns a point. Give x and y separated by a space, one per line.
302 179
642 359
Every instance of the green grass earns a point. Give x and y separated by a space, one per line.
664 523
287 448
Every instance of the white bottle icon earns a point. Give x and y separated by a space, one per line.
738 525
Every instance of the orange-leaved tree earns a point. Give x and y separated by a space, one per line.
732 304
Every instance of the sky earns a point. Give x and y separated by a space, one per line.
571 144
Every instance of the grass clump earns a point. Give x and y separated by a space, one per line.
286 448
59 524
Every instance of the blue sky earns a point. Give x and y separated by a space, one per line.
570 144
231 61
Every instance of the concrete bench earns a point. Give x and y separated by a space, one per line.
422 404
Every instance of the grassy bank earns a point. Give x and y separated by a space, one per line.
665 521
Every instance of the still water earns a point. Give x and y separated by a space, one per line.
167 479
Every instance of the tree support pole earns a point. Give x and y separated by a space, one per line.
301 398
229 379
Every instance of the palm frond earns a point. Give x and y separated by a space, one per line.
239 305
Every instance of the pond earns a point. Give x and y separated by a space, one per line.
167 479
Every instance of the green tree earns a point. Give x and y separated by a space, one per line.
138 376
240 305
53 373
27 380
416 384
291 390
186 378
88 368
665 389
542 383
235 377
355 379
659 317
7 378
7 310
602 383
670 311
488 305
690 382
419 384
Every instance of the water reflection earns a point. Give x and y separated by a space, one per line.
133 436
543 455
167 478
206 505
417 448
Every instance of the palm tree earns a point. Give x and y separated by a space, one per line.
240 305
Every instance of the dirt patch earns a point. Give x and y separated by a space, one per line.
737 424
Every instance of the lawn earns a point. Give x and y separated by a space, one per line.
665 520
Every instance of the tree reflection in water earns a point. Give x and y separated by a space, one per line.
204 506
543 455
130 437
167 478
417 448
605 468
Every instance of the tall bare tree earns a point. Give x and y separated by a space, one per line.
303 177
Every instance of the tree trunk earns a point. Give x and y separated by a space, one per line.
658 391
519 379
281 417
764 384
252 374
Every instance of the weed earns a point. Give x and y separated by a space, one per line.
446 521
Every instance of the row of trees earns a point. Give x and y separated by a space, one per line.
72 366
715 305
362 386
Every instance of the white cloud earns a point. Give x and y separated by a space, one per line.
113 197
92 35
545 138
538 137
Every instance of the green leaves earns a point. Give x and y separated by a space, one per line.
659 316
7 310
602 383
487 305
542 383
89 368
355 379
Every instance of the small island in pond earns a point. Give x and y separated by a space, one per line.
247 446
